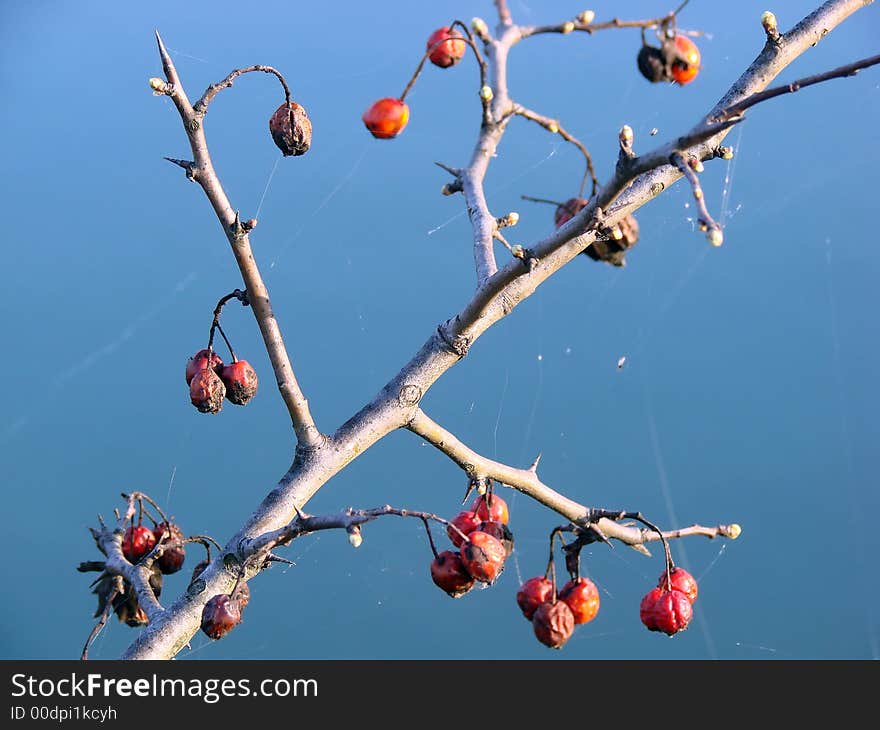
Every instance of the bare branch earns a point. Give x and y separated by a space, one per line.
503 12
554 127
704 221
307 433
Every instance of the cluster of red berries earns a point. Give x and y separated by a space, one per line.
387 117
222 612
139 540
484 543
668 606
210 381
677 59
555 614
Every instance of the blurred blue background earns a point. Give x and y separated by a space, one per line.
749 392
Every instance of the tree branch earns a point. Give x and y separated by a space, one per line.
397 402
202 170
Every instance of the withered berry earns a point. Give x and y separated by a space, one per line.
501 531
582 598
466 522
137 541
291 129
483 556
491 508
206 391
553 624
221 614
568 210
532 594
449 574
199 361
386 118
652 64
173 553
241 382
680 580
665 611
448 53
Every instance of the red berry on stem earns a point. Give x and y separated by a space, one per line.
137 541
206 391
465 521
449 574
221 614
532 594
483 556
501 531
199 361
686 60
582 598
291 129
553 624
448 53
682 581
241 382
665 611
568 210
386 118
173 552
491 508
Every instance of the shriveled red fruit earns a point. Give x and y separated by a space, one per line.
207 391
491 508
221 614
446 47
241 382
386 118
467 522
483 556
173 553
553 624
532 594
291 129
652 64
449 574
686 60
501 531
137 541
568 210
682 581
199 361
666 611
582 598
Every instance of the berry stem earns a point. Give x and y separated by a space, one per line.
201 106
542 200
430 536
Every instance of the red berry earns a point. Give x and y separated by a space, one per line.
665 611
501 531
386 118
686 60
465 521
241 382
568 210
199 361
173 553
221 614
449 53
553 624
682 581
206 391
449 574
582 598
532 594
483 556
137 541
291 129
491 508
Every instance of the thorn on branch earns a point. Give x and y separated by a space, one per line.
187 165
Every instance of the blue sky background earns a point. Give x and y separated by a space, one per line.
750 388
